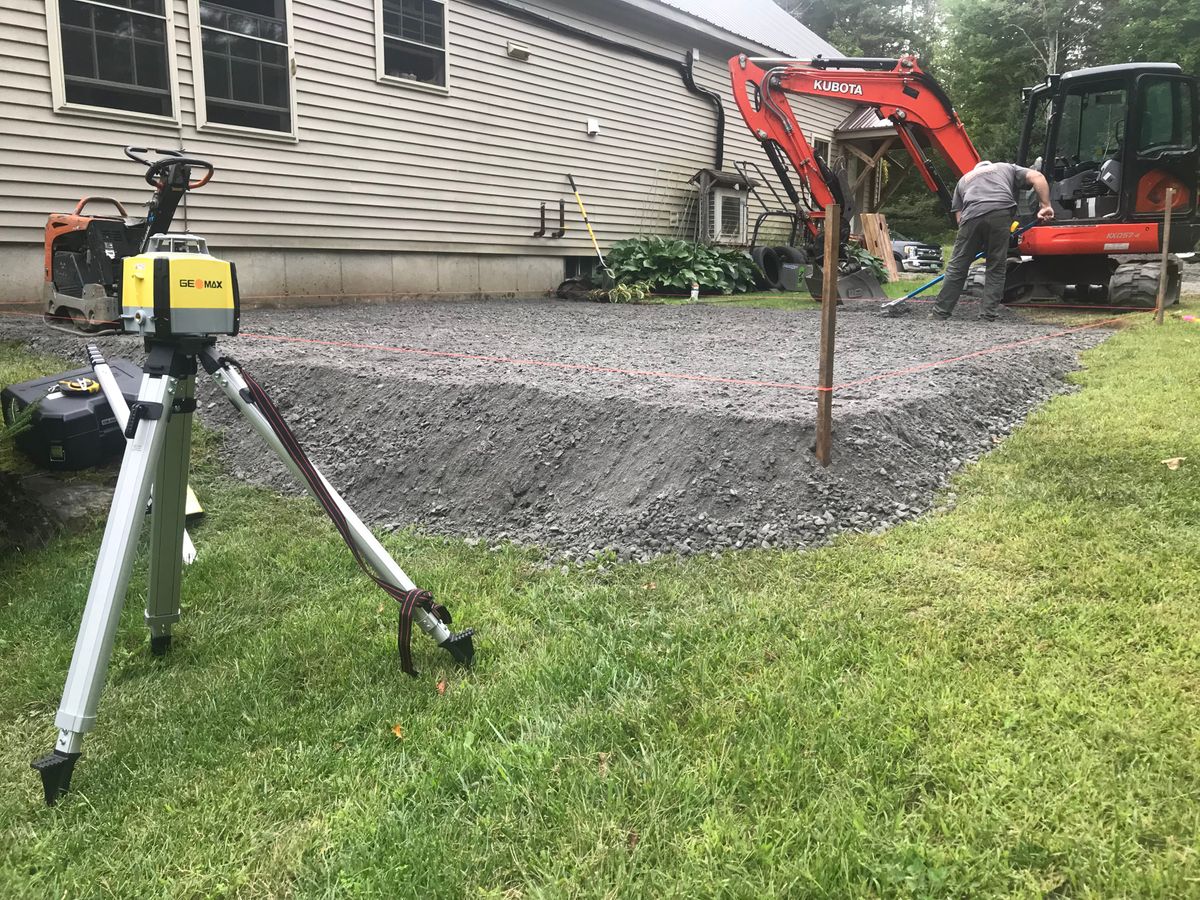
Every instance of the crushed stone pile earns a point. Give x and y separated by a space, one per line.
634 430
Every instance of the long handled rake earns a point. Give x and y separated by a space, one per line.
587 224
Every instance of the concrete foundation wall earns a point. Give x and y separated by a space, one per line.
296 277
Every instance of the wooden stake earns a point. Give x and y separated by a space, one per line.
1166 251
829 301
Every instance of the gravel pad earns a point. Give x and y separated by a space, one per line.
708 448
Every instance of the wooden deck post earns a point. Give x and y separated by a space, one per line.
829 301
1166 252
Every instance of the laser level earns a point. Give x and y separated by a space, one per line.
180 298
177 289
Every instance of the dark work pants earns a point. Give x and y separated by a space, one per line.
988 233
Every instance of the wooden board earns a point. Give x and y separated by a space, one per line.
878 239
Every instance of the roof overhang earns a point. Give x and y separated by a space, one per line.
746 26
735 42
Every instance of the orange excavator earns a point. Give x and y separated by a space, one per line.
1110 140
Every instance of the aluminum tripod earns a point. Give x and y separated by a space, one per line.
120 409
157 454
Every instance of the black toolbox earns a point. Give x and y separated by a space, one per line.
70 432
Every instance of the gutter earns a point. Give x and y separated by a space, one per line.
685 68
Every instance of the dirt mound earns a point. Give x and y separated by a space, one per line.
584 461
640 430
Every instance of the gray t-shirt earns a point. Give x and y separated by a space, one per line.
989 188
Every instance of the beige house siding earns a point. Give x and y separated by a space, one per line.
421 188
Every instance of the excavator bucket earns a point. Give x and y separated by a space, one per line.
858 285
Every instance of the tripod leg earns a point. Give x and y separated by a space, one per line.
93 647
458 645
166 520
116 402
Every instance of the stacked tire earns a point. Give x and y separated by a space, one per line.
771 260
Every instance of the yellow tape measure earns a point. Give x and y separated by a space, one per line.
79 387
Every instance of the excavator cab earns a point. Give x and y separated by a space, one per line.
1112 140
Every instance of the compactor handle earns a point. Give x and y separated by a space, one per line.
157 170
86 200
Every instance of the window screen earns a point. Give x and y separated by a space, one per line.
246 78
414 40
115 55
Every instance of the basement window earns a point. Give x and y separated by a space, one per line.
113 55
246 51
579 266
411 41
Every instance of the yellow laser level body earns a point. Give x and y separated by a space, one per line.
177 289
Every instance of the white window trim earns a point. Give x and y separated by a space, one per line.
201 100
383 78
58 80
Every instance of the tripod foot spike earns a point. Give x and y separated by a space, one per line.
160 644
460 646
55 768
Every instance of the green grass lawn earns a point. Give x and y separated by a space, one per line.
998 700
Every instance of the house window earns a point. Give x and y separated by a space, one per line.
114 55
414 41
821 149
247 82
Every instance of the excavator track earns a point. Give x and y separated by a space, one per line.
1135 284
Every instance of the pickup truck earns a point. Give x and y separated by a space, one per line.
916 256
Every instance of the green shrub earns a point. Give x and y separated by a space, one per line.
676 265
623 292
867 260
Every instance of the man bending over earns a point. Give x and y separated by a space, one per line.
985 202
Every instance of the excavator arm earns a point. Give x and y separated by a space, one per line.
900 92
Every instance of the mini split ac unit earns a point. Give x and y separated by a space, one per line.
726 218
722 206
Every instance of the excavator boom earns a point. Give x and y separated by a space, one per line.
912 100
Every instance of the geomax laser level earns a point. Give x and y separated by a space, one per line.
180 299
176 289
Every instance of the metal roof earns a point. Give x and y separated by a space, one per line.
758 21
863 119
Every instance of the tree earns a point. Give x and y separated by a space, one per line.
993 48
1150 31
869 27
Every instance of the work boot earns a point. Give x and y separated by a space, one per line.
938 315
